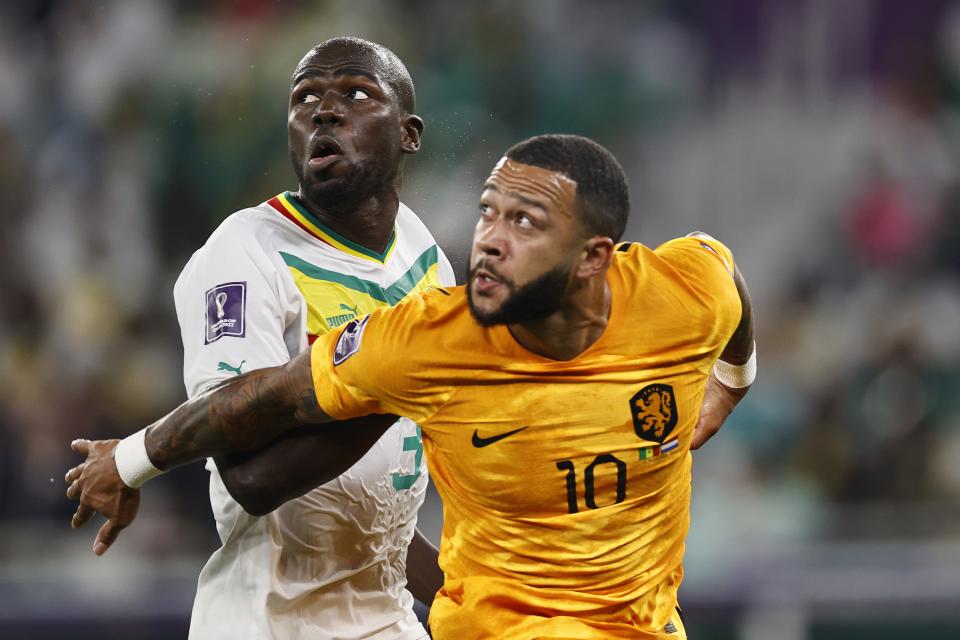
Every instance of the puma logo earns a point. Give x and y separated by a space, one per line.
352 312
223 366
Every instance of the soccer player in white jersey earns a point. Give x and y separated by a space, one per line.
271 278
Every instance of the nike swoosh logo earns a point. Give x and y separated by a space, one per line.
480 442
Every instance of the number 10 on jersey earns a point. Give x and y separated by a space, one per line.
589 474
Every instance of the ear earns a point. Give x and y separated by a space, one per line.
595 257
412 130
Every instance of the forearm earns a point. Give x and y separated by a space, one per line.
242 413
298 461
424 577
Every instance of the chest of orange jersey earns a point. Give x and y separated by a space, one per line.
526 442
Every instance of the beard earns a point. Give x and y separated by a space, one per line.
343 195
535 300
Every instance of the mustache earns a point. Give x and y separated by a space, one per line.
483 265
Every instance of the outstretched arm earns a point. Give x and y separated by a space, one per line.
297 462
242 413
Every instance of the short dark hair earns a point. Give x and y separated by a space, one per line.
602 190
392 67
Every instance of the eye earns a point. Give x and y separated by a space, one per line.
309 97
485 210
358 94
524 221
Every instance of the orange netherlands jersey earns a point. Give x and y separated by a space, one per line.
565 484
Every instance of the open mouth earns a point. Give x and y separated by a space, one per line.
324 151
484 281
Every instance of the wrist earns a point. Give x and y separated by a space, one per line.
737 376
133 463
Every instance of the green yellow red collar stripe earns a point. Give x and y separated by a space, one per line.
288 206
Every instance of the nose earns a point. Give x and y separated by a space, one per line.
329 109
489 241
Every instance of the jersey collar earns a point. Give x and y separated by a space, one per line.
288 207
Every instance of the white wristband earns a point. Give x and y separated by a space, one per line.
737 376
133 464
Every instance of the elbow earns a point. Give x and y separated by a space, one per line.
257 507
250 494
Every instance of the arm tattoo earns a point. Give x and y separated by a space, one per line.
241 413
300 381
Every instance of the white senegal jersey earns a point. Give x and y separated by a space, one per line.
330 564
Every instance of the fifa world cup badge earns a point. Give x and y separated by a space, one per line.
226 306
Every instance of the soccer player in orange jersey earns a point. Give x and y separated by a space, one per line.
559 392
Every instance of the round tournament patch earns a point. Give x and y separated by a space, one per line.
349 342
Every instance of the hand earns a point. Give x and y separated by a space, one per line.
718 401
97 485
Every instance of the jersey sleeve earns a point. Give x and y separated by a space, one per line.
699 257
231 309
707 267
376 364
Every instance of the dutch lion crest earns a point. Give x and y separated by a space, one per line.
654 412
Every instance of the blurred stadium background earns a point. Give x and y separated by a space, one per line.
819 138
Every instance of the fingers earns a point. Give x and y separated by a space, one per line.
718 402
81 445
74 473
82 516
704 430
91 482
107 536
697 441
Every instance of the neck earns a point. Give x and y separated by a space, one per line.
569 331
368 223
